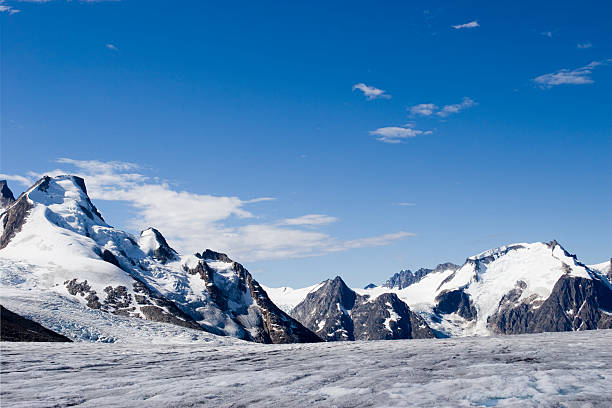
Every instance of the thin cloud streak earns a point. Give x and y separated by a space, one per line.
429 109
471 24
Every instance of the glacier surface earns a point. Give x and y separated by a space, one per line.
570 369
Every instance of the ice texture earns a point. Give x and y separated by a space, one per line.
571 369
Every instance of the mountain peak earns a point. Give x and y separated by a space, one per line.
65 191
153 243
6 195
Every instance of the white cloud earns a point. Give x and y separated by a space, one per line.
7 9
578 76
584 45
395 134
193 222
112 47
25 181
471 24
310 219
407 204
548 34
428 109
423 109
371 92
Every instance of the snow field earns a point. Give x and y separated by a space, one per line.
551 369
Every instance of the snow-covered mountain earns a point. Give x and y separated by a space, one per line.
54 240
287 298
336 313
603 269
518 288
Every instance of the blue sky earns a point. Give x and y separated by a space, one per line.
267 124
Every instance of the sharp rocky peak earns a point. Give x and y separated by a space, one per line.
6 195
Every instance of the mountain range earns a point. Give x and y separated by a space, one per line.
56 246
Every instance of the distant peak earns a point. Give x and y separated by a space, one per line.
6 195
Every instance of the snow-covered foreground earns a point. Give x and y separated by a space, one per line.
554 369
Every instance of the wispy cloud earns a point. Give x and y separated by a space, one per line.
310 219
584 45
380 240
423 109
428 109
456 108
111 47
192 222
578 76
471 24
371 92
4 8
407 204
548 34
395 134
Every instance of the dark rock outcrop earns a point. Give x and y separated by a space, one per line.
455 301
325 311
575 303
14 327
160 309
387 318
270 324
13 219
6 195
336 313
406 277
370 286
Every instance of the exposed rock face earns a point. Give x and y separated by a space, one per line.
406 277
17 328
336 313
242 298
157 308
387 318
455 301
13 219
326 311
6 195
575 303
